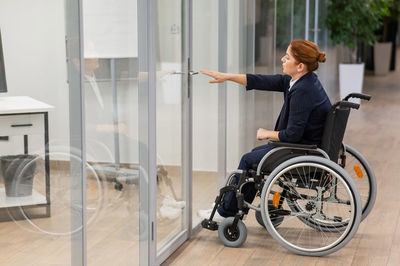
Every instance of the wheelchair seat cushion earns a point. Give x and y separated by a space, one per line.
282 155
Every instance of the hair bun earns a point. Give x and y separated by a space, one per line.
321 57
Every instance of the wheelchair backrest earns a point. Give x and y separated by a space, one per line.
335 126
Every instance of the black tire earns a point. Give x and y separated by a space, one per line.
259 218
118 186
232 237
363 177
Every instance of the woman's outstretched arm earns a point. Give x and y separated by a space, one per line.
222 77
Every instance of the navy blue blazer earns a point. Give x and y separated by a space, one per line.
305 107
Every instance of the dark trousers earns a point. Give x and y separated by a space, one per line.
228 206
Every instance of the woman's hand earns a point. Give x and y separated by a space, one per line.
262 134
267 134
218 77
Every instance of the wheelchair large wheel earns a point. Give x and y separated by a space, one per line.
363 176
319 201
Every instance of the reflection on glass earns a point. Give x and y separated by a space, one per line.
171 75
205 107
112 146
299 18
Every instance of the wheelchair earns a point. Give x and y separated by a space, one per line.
309 196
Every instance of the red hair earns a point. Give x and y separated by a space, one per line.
307 52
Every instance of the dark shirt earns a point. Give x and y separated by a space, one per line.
305 107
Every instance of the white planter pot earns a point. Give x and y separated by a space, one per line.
382 53
351 77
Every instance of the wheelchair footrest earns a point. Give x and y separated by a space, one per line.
210 225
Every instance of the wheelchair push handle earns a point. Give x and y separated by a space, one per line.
346 104
357 95
349 105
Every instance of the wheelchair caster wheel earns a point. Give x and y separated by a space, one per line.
118 186
232 237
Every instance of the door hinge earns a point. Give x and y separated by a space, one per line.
152 231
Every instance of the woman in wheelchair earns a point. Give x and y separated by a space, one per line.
302 116
309 202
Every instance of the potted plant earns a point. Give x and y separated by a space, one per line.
352 23
384 50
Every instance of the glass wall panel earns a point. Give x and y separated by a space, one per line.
299 18
248 52
328 71
205 106
312 32
112 142
272 31
284 16
171 93
236 56
283 29
38 211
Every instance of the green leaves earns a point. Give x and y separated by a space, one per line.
354 21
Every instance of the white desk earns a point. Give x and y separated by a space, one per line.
24 116
22 104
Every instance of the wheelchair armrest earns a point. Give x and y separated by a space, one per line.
292 145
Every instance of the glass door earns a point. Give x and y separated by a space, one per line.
205 107
116 218
172 125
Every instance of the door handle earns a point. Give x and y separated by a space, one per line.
177 73
181 73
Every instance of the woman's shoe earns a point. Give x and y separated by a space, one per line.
205 214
